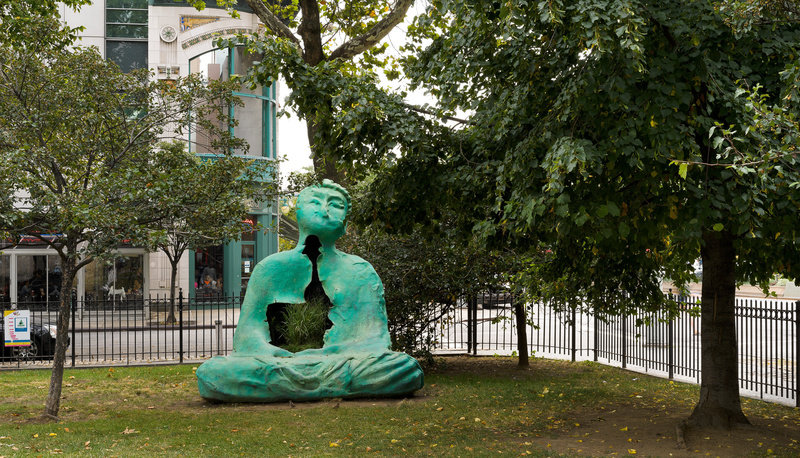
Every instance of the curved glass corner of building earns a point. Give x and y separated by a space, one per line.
225 270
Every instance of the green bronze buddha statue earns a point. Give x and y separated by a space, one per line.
355 359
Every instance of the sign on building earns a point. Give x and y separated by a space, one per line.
17 328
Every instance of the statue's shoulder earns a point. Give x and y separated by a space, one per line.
356 264
280 261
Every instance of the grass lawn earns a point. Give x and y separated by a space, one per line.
469 406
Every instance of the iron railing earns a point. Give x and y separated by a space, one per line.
136 331
142 331
767 335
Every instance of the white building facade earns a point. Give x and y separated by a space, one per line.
170 39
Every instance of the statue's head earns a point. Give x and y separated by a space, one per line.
322 211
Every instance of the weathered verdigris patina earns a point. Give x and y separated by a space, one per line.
355 359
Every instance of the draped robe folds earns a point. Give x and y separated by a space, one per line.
355 359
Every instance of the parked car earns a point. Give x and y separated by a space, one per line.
43 344
495 299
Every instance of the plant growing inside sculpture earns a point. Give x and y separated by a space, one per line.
304 325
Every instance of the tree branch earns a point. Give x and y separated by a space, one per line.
273 22
372 36
431 113
311 33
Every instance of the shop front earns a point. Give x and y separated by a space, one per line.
224 270
31 274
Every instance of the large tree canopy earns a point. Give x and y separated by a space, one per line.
18 16
629 136
82 151
341 38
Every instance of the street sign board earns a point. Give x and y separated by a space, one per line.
17 328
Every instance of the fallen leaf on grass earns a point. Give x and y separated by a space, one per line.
624 429
632 451
129 431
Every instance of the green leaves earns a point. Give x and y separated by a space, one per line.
683 168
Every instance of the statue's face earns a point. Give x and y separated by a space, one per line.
322 212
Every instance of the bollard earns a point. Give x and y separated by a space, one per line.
180 324
218 327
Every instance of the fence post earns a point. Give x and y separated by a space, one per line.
522 331
218 327
670 348
574 332
596 339
797 354
73 305
624 341
469 323
475 325
180 324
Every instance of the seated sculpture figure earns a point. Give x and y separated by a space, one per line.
355 359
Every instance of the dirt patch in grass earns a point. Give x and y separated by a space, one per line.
651 431
644 424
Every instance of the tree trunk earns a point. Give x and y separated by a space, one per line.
53 403
324 167
719 405
522 334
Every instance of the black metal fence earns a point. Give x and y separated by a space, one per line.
145 331
136 331
767 335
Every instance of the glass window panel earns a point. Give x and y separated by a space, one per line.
208 265
251 124
126 4
54 276
243 61
248 228
129 55
126 31
129 276
127 16
248 263
97 276
31 279
122 278
5 279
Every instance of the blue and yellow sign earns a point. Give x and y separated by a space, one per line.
17 328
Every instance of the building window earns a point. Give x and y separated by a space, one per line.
256 118
38 280
5 280
208 269
248 247
126 33
117 281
